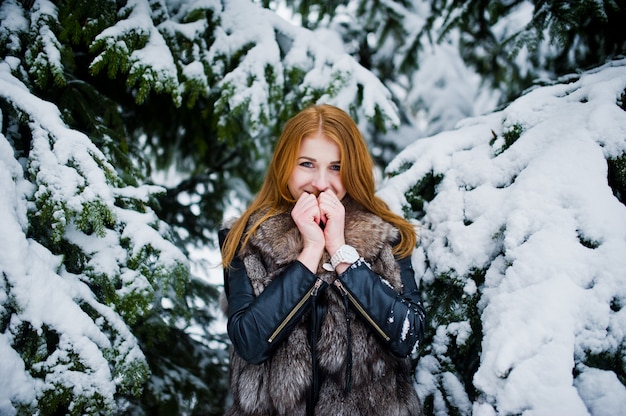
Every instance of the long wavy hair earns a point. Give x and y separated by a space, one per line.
357 176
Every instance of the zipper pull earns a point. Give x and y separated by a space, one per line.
316 287
339 286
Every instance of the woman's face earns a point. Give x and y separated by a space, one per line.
317 168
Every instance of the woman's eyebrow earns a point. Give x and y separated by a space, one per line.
312 159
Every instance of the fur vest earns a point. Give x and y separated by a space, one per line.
380 382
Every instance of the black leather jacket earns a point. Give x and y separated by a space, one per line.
257 324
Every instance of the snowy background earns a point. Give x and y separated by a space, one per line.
515 212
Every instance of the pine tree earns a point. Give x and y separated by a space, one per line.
427 52
502 241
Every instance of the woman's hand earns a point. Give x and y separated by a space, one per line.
333 215
307 216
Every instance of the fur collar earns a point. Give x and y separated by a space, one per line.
278 243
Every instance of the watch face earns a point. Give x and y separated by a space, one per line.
350 255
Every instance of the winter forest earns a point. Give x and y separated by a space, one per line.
130 129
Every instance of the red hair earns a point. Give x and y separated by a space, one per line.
357 176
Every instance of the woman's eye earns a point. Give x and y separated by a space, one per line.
306 164
336 167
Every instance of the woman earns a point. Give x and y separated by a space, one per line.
322 304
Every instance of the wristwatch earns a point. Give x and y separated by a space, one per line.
345 254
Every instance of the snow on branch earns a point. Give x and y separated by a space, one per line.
92 268
321 70
135 46
516 213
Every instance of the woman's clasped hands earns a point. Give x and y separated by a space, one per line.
320 220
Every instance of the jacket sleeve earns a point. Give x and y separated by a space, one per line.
398 318
257 324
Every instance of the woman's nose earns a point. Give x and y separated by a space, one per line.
320 182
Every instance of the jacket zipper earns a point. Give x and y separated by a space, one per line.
312 292
361 310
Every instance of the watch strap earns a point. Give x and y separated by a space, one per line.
345 254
